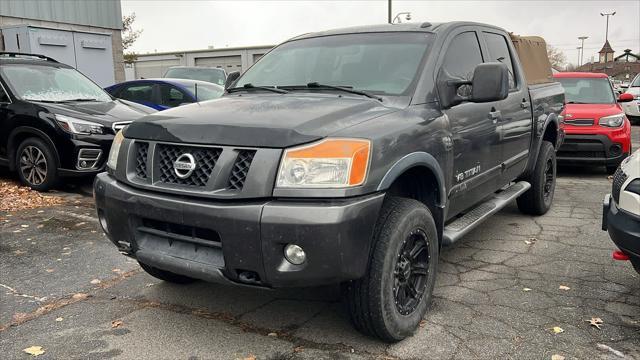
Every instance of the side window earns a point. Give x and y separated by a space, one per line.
140 93
499 51
462 57
171 96
4 98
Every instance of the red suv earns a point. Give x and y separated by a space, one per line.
597 130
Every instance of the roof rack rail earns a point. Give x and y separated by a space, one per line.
19 55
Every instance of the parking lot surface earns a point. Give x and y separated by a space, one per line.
516 287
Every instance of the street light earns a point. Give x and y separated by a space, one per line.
606 34
407 17
579 56
582 39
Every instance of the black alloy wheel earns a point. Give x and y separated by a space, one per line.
411 270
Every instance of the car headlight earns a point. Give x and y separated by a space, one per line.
633 187
330 163
112 162
612 121
78 126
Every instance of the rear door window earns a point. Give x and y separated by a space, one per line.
140 93
499 52
171 96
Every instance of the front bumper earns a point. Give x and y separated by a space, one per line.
71 149
593 149
240 242
623 228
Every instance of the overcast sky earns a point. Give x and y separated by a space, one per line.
188 25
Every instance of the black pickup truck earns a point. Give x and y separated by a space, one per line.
347 156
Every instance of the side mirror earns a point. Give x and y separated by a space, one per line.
231 78
490 83
626 97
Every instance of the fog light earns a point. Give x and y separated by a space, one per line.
294 254
615 150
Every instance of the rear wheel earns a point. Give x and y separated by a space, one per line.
166 275
36 164
392 298
537 200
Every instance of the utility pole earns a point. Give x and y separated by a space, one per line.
389 11
606 34
579 56
582 39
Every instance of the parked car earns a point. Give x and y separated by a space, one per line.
209 74
598 132
162 94
347 156
621 211
54 121
632 108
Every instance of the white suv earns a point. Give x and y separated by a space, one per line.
632 108
621 211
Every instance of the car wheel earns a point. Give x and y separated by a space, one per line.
636 264
36 164
392 298
166 275
537 200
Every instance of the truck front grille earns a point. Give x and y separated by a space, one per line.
206 158
142 154
241 169
579 122
619 177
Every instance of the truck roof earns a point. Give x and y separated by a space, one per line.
579 75
404 27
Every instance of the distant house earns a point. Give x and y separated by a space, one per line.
622 67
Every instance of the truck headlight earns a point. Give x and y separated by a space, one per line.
330 163
78 126
612 121
112 162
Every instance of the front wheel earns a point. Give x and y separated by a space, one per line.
537 200
392 298
36 164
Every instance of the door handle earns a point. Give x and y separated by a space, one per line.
495 115
524 104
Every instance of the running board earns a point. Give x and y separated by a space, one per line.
467 222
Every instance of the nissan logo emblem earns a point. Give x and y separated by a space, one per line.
184 165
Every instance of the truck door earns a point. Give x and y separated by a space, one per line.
514 120
476 168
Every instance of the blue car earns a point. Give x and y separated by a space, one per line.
161 94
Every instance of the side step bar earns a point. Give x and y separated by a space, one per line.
467 222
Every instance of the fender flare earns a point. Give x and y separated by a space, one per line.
12 147
412 160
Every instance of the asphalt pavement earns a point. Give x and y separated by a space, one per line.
516 287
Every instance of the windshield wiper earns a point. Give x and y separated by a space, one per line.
79 99
576 102
349 89
251 86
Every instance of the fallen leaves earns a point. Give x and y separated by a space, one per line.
116 324
564 287
250 357
423 323
95 281
557 330
34 350
59 319
16 197
526 289
298 349
531 241
557 357
603 347
272 334
595 322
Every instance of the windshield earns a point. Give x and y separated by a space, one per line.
49 83
385 63
587 90
206 91
215 76
636 82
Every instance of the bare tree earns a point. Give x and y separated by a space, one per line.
129 36
556 57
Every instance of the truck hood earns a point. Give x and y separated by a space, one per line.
105 113
260 120
590 111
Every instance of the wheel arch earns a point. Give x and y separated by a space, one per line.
21 133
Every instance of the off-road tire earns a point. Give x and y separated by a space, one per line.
166 275
537 200
371 300
31 150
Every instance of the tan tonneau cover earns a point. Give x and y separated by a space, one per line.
532 51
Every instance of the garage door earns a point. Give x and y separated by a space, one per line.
154 68
229 63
